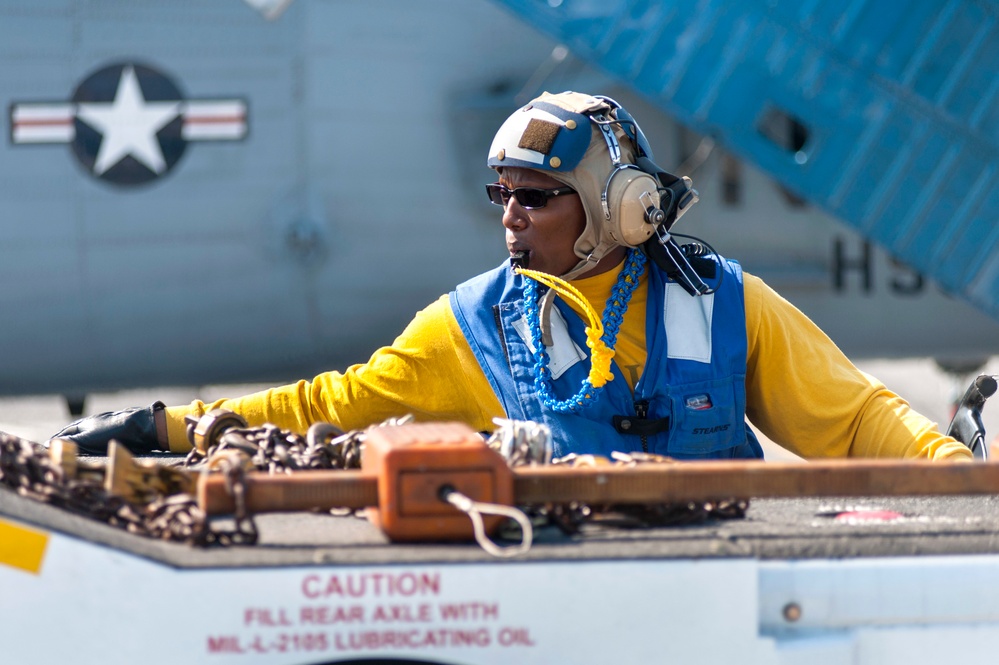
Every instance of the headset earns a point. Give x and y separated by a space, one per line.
641 202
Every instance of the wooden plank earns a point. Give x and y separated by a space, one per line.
649 483
695 481
302 490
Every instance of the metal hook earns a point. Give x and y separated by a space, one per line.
476 509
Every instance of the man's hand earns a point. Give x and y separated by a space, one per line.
134 428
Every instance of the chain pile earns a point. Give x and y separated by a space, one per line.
27 469
269 448
651 515
164 512
524 443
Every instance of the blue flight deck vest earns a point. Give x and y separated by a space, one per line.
690 402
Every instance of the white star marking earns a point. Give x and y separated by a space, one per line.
129 125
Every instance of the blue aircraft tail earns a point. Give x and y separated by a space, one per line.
884 114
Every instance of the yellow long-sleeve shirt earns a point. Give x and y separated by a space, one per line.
801 391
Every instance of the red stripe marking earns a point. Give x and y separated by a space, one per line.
42 123
869 516
209 119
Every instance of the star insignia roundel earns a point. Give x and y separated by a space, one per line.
128 123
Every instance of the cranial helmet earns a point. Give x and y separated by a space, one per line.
594 146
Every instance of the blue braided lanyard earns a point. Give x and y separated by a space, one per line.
617 305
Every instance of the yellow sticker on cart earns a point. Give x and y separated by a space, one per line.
21 547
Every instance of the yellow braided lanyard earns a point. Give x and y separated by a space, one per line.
600 355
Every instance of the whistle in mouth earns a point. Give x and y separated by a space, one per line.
519 260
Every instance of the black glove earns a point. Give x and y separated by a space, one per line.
134 428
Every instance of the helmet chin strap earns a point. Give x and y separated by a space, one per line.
545 317
587 264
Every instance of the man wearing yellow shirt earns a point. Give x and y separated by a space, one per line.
601 326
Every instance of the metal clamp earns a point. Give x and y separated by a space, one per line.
211 426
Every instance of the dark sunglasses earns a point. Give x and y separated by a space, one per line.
528 197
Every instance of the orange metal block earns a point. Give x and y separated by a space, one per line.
415 462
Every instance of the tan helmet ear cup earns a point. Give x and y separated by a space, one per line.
629 195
